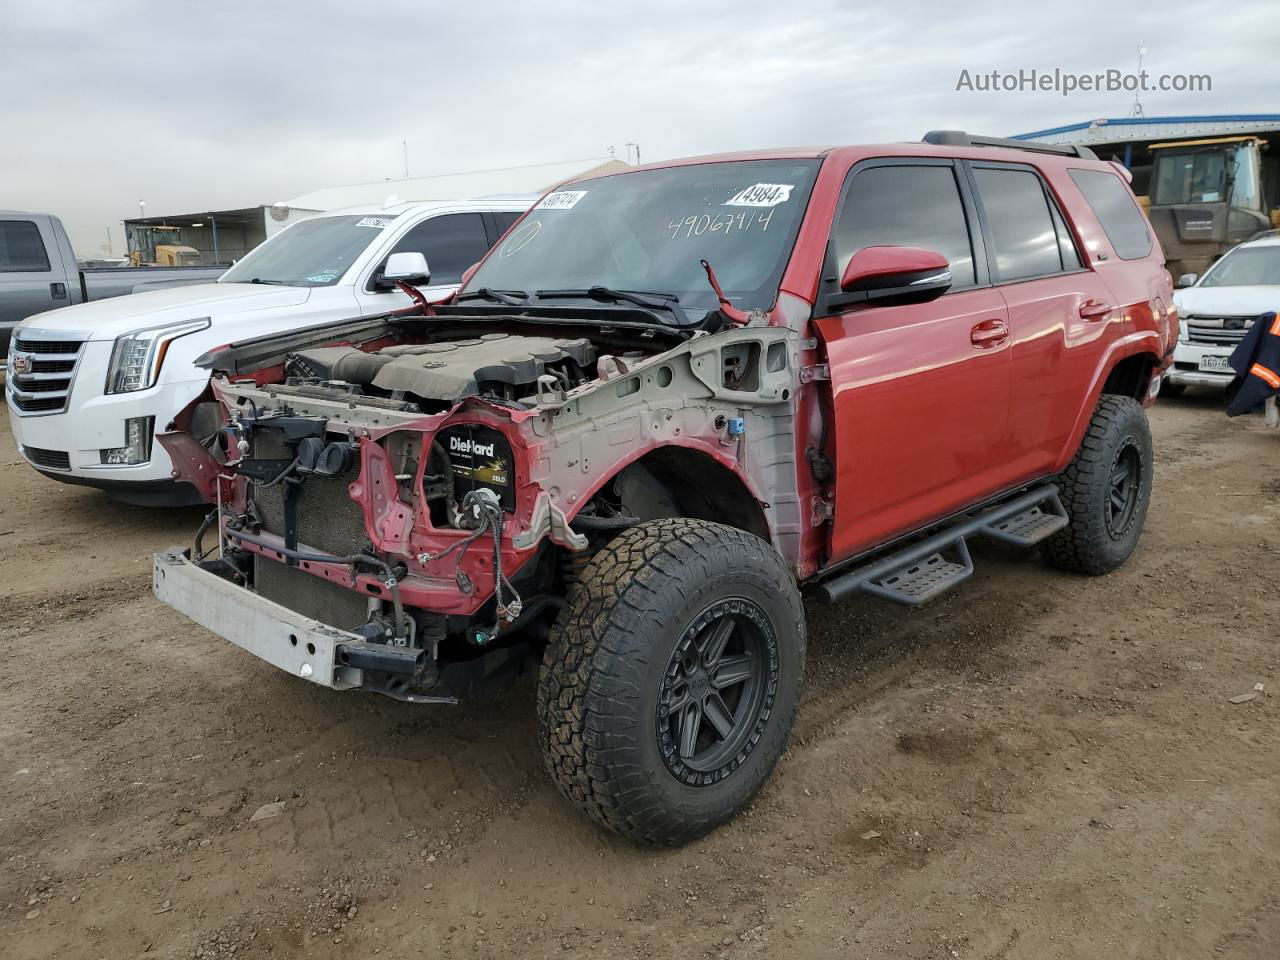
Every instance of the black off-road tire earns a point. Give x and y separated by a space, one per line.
1101 536
606 700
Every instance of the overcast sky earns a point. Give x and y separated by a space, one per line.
229 104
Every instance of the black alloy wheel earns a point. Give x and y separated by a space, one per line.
717 691
1106 490
1126 488
671 679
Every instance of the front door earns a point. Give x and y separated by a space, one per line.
32 276
920 392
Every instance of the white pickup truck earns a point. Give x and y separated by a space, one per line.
90 384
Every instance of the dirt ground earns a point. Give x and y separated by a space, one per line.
1034 766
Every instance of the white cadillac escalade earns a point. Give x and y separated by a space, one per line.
89 385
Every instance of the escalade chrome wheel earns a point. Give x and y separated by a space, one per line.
671 679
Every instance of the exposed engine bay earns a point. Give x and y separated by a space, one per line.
432 489
500 366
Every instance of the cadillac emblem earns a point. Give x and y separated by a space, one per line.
21 363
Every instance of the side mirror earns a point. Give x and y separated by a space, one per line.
407 267
1188 280
898 274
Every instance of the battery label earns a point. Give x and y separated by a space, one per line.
480 457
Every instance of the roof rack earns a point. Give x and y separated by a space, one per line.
958 138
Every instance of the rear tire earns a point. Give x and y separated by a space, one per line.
1106 489
671 679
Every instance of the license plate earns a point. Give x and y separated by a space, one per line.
1214 365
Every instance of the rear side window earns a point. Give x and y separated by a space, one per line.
1021 221
908 206
1066 246
450 243
1120 217
21 249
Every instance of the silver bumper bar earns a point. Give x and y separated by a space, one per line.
1197 378
283 638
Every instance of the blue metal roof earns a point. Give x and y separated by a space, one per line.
1143 121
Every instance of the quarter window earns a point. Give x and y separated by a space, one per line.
909 206
450 243
21 249
1023 233
1115 209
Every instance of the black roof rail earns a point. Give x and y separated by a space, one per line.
958 138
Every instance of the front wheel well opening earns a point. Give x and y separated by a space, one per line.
1131 377
678 482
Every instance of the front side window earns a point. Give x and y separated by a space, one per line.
908 206
647 231
21 249
1114 206
312 253
450 243
1246 267
1022 229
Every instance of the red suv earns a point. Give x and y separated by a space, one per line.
665 403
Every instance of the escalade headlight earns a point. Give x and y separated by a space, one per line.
137 355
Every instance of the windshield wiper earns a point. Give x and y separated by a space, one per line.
278 283
512 298
651 301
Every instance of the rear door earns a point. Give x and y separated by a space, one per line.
920 392
33 278
1059 311
451 242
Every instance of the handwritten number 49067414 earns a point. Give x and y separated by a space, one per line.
697 225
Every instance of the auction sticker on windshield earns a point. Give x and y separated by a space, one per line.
761 195
378 222
561 199
523 235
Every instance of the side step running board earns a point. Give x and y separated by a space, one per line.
922 570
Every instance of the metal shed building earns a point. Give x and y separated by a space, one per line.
225 235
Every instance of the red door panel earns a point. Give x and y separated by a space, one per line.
921 401
1060 327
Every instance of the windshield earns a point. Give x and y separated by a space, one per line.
1254 266
647 232
311 253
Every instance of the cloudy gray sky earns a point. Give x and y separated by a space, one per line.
230 104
